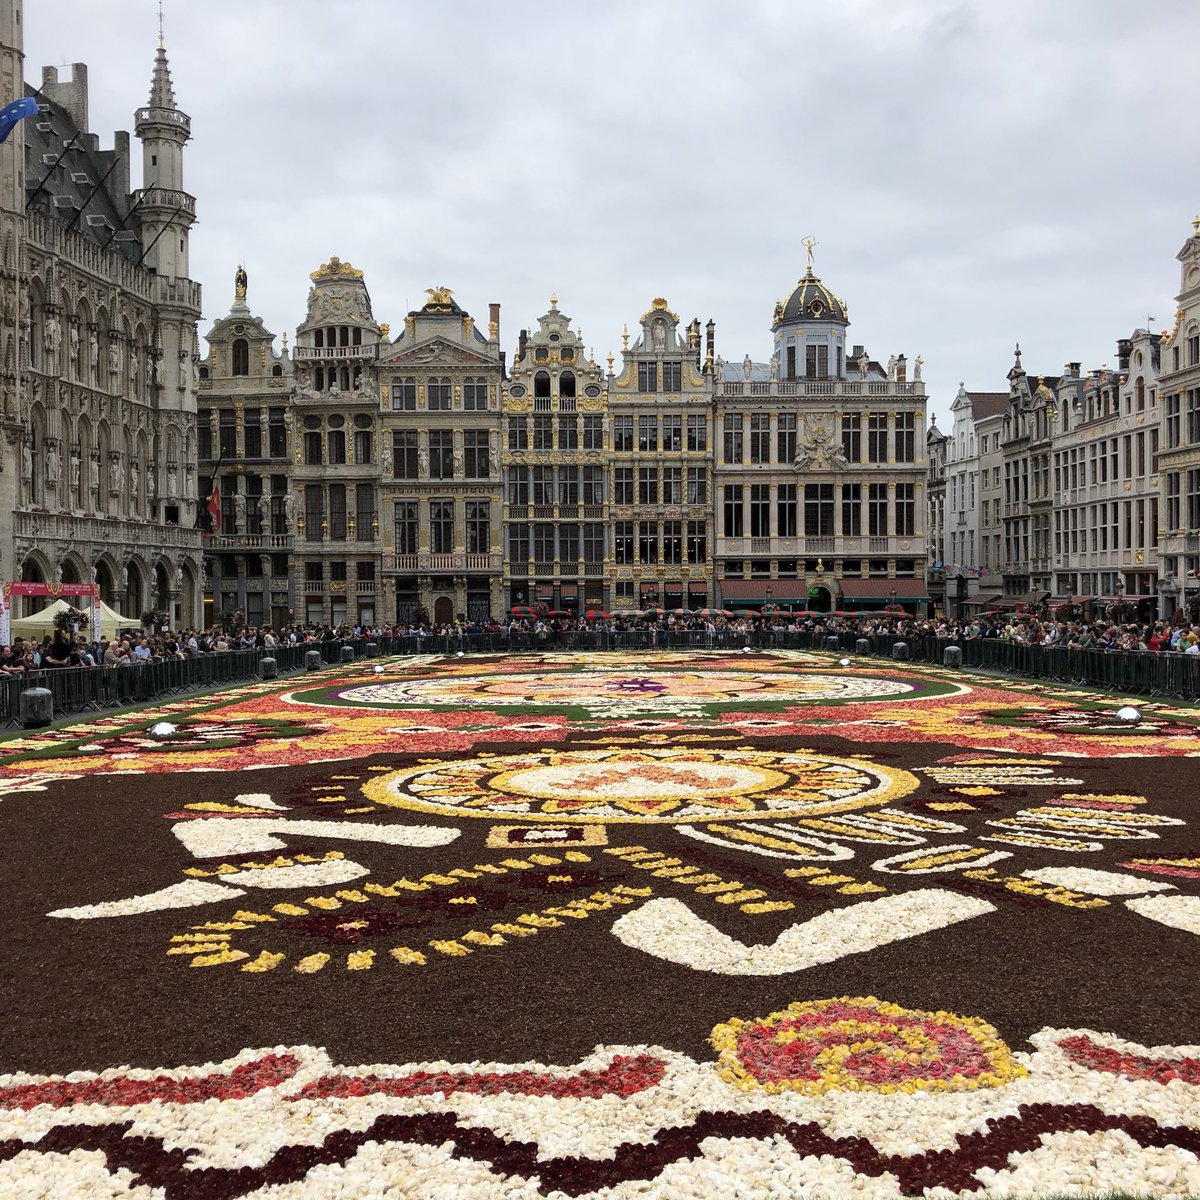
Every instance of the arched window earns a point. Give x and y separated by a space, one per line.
1139 390
541 384
566 383
276 371
318 338
241 357
203 372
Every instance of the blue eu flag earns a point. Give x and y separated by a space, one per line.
18 110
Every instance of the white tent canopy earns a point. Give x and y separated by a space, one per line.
42 623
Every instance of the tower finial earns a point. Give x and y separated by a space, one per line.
160 24
808 243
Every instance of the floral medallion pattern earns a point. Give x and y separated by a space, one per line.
598 926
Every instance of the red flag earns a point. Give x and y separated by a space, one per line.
214 508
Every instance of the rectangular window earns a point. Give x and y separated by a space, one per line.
568 543
852 437
672 432
647 377
593 485
877 506
364 449
1173 404
364 511
733 427
568 433
906 437
475 394
672 542
733 510
877 437
337 511
314 510
1173 504
441 454
816 362
476 463
404 393
623 485
851 510
906 509
441 526
697 485
760 438
276 433
336 440
760 510
252 435
785 438
568 485
672 485
818 510
518 485
593 432
518 434
648 541
697 433
405 516
672 376
593 544
543 486
438 393
227 431
647 485
623 542
1193 416
518 542
647 433
543 432
1193 498
697 541
622 433
785 511
204 432
404 454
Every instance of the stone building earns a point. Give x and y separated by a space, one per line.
936 443
98 334
1178 461
555 463
440 429
661 468
243 422
820 471
335 455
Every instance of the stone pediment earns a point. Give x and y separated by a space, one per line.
437 352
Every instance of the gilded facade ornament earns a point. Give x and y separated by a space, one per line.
335 269
439 297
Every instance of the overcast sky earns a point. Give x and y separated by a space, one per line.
974 173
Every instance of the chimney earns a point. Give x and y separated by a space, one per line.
858 352
901 369
522 342
1124 349
1075 369
494 323
72 94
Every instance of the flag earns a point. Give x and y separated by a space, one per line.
18 110
214 507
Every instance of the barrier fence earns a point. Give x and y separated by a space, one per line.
79 689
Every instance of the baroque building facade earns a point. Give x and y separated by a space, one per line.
820 471
97 368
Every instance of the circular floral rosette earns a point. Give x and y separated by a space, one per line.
628 690
861 1044
642 784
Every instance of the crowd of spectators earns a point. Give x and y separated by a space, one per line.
1034 628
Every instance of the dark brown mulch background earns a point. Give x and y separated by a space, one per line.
100 993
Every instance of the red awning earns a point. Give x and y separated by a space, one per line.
884 589
779 591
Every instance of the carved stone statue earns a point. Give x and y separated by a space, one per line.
52 463
172 481
179 579
135 479
719 369
116 473
818 451
459 462
74 336
303 378
53 333
133 367
386 461
289 512
423 462
747 367
892 366
239 513
494 452
158 369
239 283
774 367
185 368
917 369
190 478
658 333
93 350
114 358
864 365
27 461
75 469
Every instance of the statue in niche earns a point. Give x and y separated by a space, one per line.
423 461
494 452
179 579
239 513
51 461
133 367
27 461
289 511
172 481
114 358
74 336
75 469
116 473
459 462
53 333
185 368
135 479
747 367
93 351
386 461
658 334
158 370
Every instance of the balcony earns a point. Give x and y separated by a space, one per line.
251 541
48 527
323 353
365 587
819 387
183 293
158 197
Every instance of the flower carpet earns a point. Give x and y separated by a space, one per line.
556 925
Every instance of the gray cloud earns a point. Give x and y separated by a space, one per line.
974 173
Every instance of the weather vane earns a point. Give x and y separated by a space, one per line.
808 243
160 22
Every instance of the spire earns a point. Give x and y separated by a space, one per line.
162 94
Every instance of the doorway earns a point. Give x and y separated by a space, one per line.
443 611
